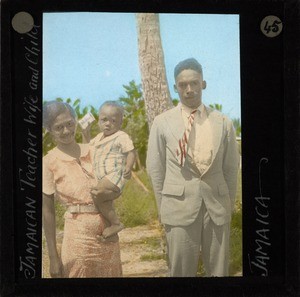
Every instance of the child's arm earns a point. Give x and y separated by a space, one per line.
130 159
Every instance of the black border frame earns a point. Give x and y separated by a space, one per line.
285 282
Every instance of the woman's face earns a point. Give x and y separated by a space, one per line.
63 128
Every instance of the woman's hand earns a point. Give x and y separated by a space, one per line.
97 189
56 268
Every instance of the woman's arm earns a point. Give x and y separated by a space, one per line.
56 268
86 133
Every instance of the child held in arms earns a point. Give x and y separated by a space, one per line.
113 158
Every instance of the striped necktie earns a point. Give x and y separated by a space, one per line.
181 151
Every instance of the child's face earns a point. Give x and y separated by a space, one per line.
110 120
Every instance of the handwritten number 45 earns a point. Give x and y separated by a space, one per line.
274 27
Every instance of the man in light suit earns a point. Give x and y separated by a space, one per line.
192 161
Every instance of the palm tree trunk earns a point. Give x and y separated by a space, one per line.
151 59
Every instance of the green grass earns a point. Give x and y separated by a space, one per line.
153 242
136 207
59 215
235 251
236 233
153 257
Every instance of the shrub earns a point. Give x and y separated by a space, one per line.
59 215
136 207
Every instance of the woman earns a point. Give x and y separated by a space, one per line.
67 175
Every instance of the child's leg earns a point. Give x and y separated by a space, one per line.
107 192
109 213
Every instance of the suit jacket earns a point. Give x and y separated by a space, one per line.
179 191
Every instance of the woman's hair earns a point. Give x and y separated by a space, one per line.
52 109
115 104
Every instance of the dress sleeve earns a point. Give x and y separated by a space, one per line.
48 178
92 142
126 143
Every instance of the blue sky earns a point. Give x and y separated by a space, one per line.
92 55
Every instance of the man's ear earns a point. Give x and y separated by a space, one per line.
203 85
175 89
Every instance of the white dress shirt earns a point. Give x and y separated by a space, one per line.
200 147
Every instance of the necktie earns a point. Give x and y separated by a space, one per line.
181 151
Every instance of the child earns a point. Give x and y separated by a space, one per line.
113 159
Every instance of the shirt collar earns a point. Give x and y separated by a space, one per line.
84 150
187 110
98 140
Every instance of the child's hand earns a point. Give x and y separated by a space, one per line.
127 173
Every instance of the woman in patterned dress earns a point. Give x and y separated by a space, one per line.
68 176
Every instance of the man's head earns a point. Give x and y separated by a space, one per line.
189 82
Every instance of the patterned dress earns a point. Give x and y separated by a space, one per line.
109 156
82 255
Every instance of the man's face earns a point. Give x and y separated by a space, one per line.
189 85
110 120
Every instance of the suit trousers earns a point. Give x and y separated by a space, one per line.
185 242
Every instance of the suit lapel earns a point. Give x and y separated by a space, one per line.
175 122
216 123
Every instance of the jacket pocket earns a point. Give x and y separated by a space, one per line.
223 189
173 190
